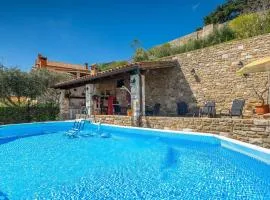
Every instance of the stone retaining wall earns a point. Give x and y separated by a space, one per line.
254 131
200 34
210 74
113 119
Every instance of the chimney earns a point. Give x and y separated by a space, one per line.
42 61
86 66
94 70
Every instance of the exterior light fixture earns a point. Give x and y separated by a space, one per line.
197 78
240 64
245 75
193 72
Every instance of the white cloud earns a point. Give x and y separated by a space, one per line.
195 6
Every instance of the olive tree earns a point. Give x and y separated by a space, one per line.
28 86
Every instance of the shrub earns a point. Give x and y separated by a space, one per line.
160 51
21 114
247 25
140 55
178 49
219 35
266 22
222 35
111 65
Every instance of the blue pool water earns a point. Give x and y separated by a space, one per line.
131 164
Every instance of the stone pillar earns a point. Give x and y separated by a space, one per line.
89 92
135 88
64 105
143 94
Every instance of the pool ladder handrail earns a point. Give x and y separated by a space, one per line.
78 124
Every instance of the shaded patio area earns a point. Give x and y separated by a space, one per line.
120 91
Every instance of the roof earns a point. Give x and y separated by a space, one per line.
118 70
66 65
43 62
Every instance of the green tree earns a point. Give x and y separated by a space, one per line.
43 80
233 8
19 84
225 12
13 82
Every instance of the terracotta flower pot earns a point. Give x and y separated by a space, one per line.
263 109
129 112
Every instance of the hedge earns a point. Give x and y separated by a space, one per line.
23 114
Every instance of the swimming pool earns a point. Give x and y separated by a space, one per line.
132 163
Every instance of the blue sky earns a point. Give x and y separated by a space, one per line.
79 31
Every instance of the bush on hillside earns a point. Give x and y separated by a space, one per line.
244 26
222 35
111 65
247 25
160 51
140 55
189 46
266 21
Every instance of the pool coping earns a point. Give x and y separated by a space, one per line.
257 152
30 123
27 123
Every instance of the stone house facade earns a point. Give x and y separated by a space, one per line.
193 77
210 74
123 88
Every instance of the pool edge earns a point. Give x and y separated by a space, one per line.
259 153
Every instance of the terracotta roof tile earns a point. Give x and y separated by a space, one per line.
125 68
65 65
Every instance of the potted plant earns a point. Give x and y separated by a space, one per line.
129 112
262 108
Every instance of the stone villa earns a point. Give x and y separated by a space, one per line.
42 62
193 77
125 87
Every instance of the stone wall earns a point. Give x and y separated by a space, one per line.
113 119
63 106
215 76
71 102
167 87
203 33
254 131
77 97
